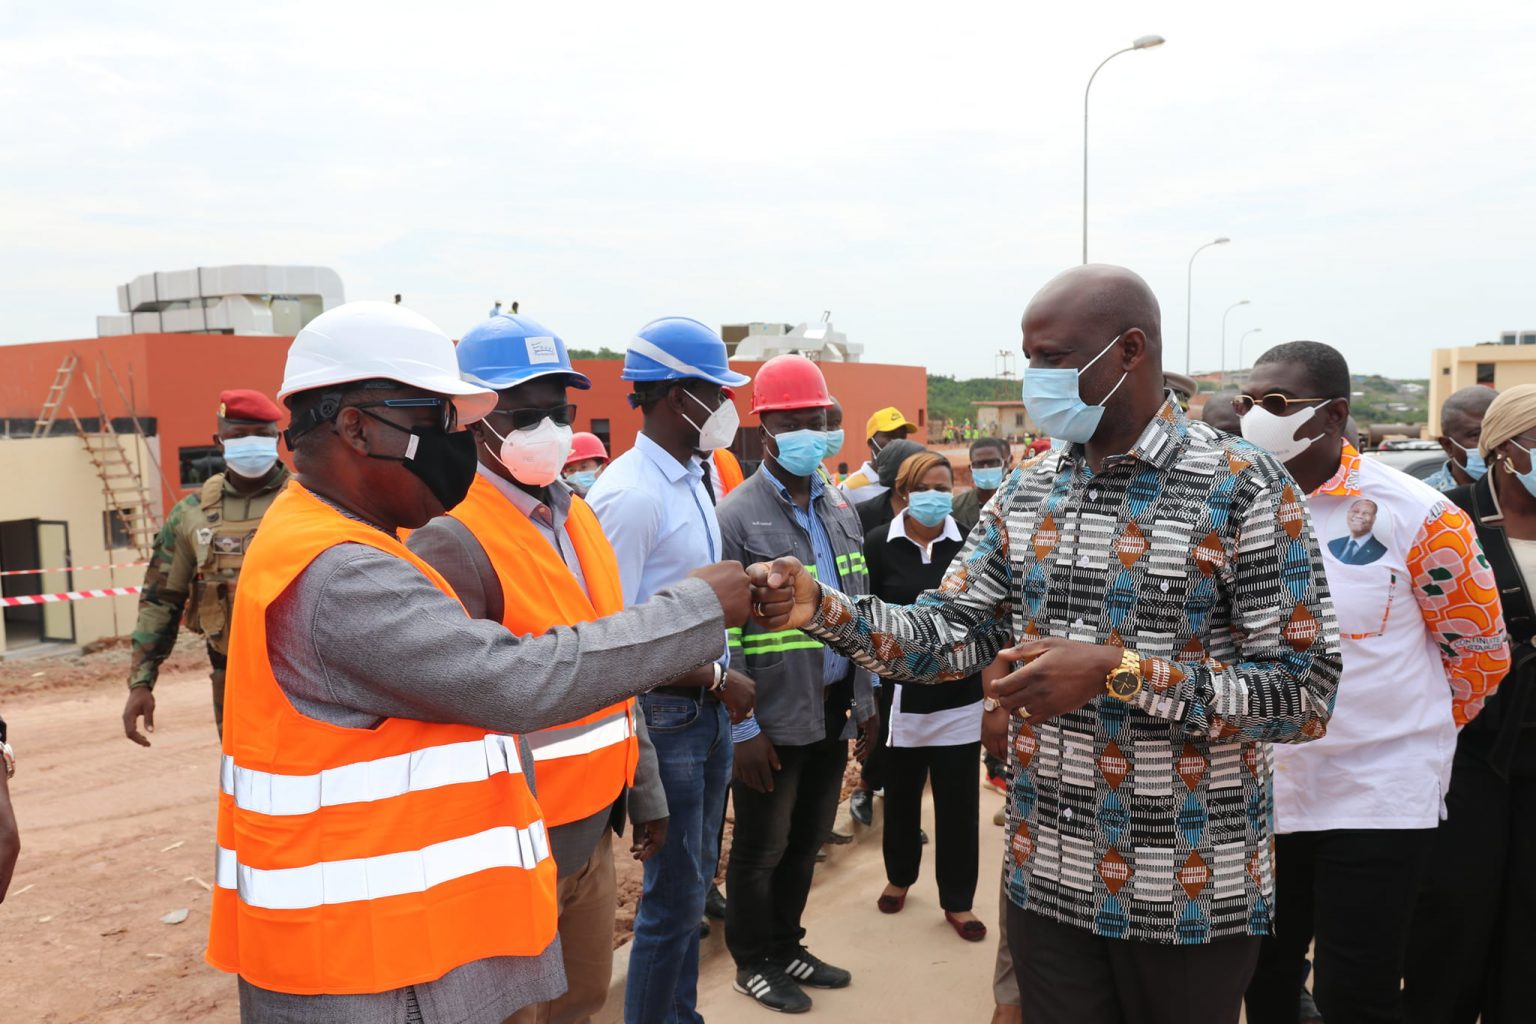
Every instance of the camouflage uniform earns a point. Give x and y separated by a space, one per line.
197 555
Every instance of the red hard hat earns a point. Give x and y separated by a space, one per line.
585 446
789 382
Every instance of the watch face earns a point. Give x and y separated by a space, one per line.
1124 685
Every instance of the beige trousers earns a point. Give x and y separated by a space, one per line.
588 903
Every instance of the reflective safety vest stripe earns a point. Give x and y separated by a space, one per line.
361 860
581 767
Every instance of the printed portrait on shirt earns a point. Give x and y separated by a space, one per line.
1359 533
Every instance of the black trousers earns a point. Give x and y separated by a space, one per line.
956 804
1472 949
1068 975
873 772
1352 890
773 849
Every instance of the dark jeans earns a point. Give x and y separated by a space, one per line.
1472 949
1068 975
1353 891
773 849
872 774
956 804
693 757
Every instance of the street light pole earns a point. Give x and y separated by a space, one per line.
1189 293
1239 302
1240 341
1143 43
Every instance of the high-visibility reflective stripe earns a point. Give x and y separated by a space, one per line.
812 570
390 874
854 562
806 644
571 741
429 768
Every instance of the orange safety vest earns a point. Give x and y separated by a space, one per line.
583 766
361 860
727 471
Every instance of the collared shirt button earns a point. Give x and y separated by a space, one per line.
1066 814
1093 495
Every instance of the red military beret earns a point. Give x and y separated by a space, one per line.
247 406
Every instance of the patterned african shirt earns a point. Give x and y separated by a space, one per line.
1149 820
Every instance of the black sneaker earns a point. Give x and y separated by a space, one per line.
770 986
1310 1014
861 807
714 903
807 968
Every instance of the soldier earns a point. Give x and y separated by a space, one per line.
199 551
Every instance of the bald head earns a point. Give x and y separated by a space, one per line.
1101 300
1467 404
1103 323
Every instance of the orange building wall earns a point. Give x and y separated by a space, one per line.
177 378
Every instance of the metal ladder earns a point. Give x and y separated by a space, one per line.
44 422
122 484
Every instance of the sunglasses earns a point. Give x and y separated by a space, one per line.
527 419
450 412
1273 403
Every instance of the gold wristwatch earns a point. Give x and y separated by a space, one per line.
990 704
1124 680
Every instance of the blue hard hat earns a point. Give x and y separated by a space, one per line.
677 348
509 349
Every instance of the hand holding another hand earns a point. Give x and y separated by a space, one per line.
1056 676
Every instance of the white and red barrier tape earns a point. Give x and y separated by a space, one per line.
72 568
68 595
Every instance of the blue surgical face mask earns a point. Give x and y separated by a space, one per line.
930 507
583 479
250 457
1055 402
834 442
988 479
800 451
1528 478
1472 461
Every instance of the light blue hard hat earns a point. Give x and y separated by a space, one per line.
510 349
677 348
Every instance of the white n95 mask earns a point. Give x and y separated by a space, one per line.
1277 434
535 456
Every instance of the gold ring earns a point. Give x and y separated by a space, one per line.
757 608
1023 712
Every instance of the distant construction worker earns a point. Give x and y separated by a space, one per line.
199 552
585 462
991 459
381 856
524 551
883 427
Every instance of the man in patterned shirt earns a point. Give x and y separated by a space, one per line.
1167 599
1424 646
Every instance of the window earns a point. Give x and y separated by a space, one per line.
1485 373
115 528
920 415
600 429
1018 419
1528 337
199 463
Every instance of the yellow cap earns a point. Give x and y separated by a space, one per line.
889 418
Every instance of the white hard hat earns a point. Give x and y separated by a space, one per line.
361 341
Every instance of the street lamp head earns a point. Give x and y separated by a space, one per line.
1147 42
1242 302
1223 240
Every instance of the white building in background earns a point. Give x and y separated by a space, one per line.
223 300
761 341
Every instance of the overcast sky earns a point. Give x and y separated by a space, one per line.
917 170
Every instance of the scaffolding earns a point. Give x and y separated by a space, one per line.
128 500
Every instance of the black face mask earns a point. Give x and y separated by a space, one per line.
445 462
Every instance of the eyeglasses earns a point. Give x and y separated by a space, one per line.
450 412
1273 403
527 419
